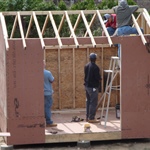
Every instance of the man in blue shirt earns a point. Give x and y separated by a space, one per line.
48 99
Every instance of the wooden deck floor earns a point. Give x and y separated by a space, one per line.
67 131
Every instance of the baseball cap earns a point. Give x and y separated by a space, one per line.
106 17
93 56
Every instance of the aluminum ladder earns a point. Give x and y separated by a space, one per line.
114 69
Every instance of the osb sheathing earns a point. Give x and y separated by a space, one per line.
67 67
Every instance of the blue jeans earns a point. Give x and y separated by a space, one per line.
125 30
91 102
48 101
111 30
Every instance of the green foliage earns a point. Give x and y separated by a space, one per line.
18 5
84 5
131 2
107 4
41 5
62 5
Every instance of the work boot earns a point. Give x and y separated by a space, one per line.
51 125
94 121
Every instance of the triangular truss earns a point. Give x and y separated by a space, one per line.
44 25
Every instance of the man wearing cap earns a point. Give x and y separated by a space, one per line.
110 23
92 81
124 19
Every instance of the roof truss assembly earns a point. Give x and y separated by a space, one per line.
63 24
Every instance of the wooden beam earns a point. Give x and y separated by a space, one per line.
77 21
102 70
71 29
21 30
147 19
59 80
55 29
29 13
88 29
147 14
38 30
91 22
73 46
4 29
45 24
139 30
138 19
14 27
61 23
29 26
74 81
4 134
104 28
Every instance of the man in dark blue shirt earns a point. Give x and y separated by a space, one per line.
92 80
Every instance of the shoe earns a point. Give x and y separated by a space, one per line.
94 121
51 125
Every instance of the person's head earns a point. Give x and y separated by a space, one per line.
107 18
122 2
93 57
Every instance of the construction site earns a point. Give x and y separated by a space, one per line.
22 118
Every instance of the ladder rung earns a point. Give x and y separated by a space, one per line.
115 88
108 71
115 57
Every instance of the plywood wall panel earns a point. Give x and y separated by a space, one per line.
52 64
67 66
80 61
66 78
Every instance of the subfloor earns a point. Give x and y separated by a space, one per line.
75 131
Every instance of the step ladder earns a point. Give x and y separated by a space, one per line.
114 69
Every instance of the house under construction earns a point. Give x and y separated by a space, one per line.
21 65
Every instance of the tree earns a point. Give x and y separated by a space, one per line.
40 5
108 4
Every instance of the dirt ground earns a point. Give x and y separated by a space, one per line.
137 144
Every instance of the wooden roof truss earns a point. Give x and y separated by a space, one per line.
25 27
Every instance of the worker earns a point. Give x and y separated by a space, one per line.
110 23
124 19
92 80
48 99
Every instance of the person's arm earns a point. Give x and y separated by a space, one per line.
115 9
51 78
133 8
